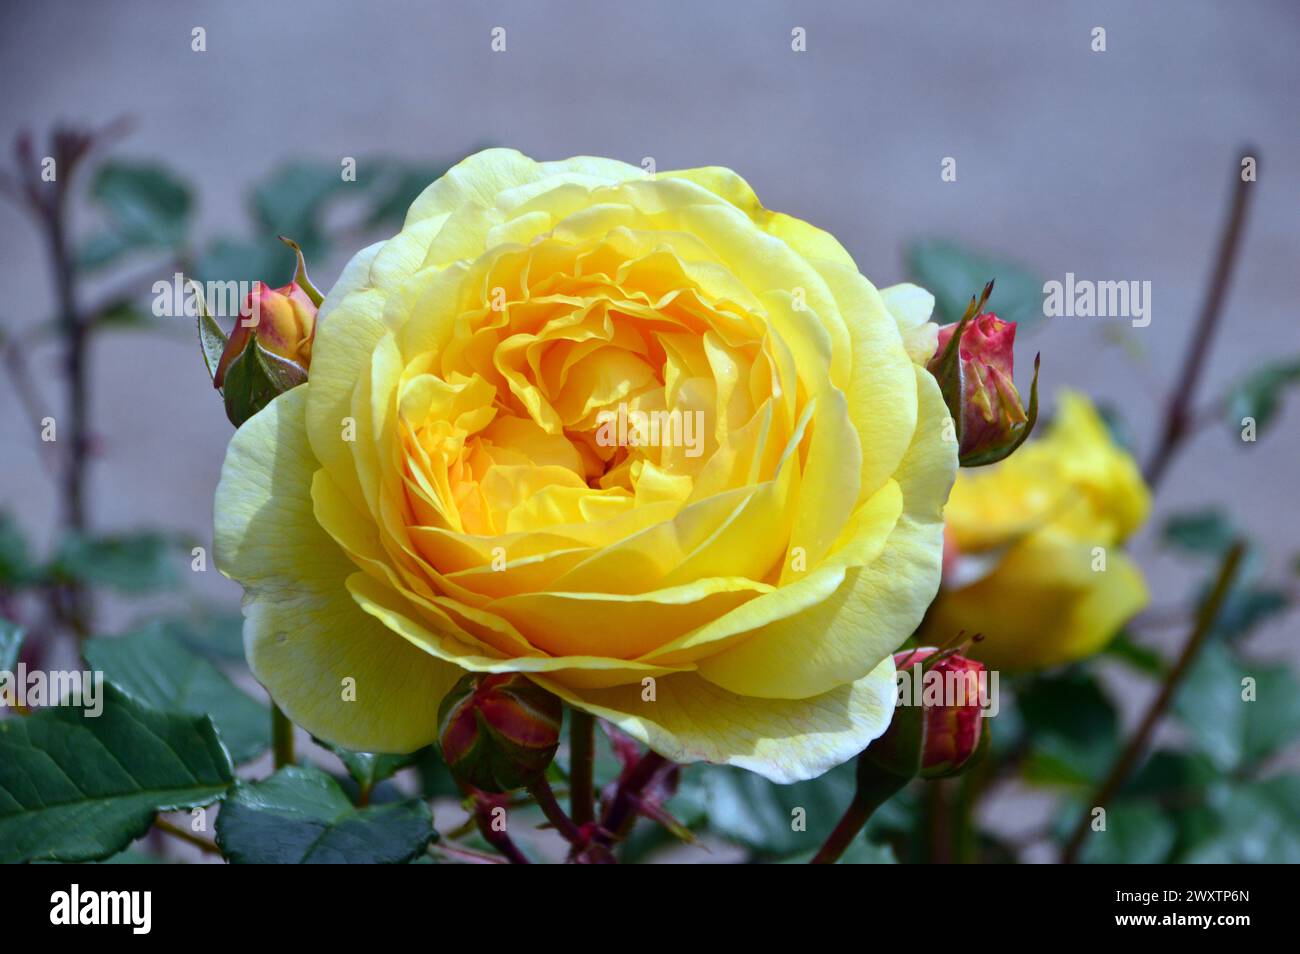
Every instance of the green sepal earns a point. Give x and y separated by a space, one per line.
949 371
300 273
211 338
256 378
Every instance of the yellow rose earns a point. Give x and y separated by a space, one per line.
1030 529
440 496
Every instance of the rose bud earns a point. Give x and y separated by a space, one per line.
973 363
498 732
951 728
281 320
991 404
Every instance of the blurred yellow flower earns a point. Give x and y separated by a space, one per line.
1038 569
457 487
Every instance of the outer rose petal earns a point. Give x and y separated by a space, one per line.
912 307
785 740
303 633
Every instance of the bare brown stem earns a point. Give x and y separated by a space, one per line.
622 809
545 798
1179 417
176 831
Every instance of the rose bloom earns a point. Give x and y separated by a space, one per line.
435 498
1024 569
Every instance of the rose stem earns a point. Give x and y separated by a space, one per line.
187 836
1178 414
281 737
939 816
1129 758
582 750
874 789
545 798
622 808
499 840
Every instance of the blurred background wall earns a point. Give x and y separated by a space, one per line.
1111 165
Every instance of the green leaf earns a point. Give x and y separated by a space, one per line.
162 672
130 857
292 201
1178 783
11 643
1137 833
145 206
1235 733
1246 606
300 816
130 563
951 272
1168 773
368 769
16 567
1256 824
1259 394
1200 531
436 780
1139 657
77 788
748 809
212 633
227 260
1073 726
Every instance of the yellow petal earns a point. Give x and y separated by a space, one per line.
304 636
1042 605
876 606
399 618
911 307
808 240
786 740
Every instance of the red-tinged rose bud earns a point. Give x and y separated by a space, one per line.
992 410
281 320
498 732
949 690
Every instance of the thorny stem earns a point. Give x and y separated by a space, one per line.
622 809
46 201
77 600
1179 416
499 840
1132 754
545 798
582 751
